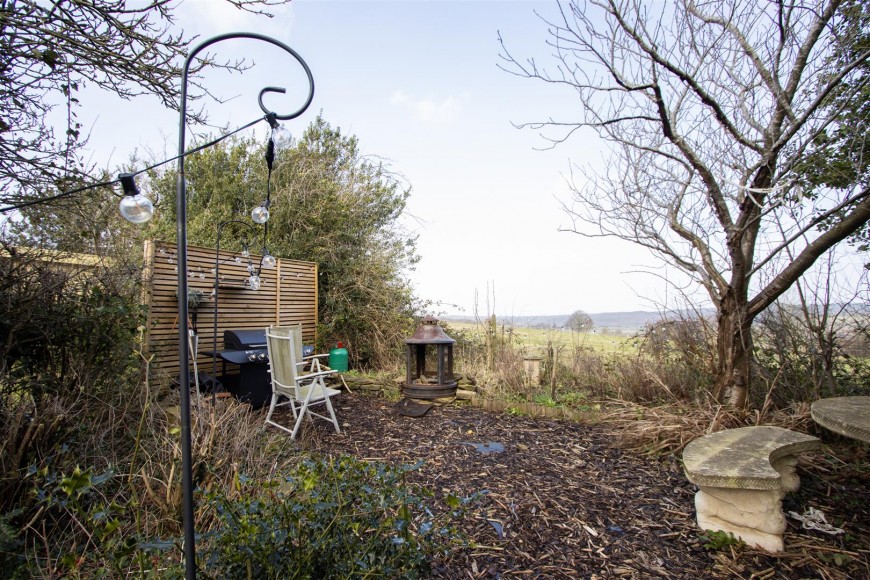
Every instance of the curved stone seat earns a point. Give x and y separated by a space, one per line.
742 458
847 416
743 475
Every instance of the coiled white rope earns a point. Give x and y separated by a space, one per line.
814 519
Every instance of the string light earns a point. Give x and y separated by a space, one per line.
260 214
134 206
268 260
282 138
63 194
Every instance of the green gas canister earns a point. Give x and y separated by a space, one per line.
338 358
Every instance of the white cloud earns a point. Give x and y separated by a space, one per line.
431 111
435 112
214 17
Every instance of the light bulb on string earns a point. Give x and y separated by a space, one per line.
260 214
136 209
254 282
134 206
269 260
282 138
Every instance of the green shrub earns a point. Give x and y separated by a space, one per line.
11 560
331 518
65 329
803 354
83 526
544 400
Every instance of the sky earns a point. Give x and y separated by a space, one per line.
418 83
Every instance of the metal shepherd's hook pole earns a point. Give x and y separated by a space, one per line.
215 292
181 239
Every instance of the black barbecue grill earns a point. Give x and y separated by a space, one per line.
247 350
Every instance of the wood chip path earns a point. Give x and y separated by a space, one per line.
564 501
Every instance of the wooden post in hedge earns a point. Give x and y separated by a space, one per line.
491 330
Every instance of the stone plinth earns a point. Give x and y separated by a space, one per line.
532 370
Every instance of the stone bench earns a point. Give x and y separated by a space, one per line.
743 475
847 416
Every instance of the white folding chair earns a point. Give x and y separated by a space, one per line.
303 363
302 391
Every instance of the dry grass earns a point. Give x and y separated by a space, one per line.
670 427
228 442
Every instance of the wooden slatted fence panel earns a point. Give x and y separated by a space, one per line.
238 307
298 289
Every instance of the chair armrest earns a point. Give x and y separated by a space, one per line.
315 375
313 363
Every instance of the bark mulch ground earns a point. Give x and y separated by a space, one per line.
564 501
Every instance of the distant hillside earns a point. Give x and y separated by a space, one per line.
621 320
625 321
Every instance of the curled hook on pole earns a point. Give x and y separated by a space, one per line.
272 116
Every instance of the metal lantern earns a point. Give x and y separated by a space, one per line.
423 383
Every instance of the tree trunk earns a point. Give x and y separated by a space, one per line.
735 352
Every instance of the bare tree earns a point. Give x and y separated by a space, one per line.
50 50
579 321
708 108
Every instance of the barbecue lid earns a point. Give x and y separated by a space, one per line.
242 339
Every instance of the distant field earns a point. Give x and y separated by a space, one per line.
538 338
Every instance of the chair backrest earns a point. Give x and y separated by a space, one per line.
281 344
297 330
